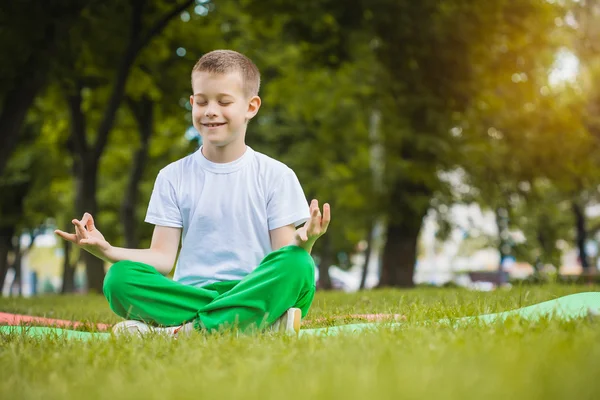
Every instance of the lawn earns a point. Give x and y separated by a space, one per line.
517 359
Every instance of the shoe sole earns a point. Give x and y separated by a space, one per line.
297 321
296 318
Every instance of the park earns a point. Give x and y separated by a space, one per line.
318 199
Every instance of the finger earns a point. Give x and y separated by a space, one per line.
90 222
71 237
326 216
315 221
315 212
85 218
315 205
80 229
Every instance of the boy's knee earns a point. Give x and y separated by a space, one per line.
116 279
298 262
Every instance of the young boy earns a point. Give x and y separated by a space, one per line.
242 263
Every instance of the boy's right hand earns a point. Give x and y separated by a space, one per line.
87 237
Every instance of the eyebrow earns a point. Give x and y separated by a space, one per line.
218 95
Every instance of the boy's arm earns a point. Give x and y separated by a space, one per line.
283 236
161 254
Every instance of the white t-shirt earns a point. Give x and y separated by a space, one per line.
226 212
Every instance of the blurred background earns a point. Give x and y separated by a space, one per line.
458 141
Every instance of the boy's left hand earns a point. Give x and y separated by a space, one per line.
315 227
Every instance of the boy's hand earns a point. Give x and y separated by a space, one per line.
315 227
87 237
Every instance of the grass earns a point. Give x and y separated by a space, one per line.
546 360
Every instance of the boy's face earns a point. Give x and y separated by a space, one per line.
220 109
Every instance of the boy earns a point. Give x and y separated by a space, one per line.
242 262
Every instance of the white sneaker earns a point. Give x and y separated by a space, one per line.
289 322
139 328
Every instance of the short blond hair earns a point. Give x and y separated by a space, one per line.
225 61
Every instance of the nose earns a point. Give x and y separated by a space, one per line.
209 112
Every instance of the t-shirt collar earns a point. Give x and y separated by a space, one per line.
224 168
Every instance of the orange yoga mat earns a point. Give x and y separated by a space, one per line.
18 319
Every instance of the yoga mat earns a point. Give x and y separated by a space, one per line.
43 332
18 319
29 320
564 308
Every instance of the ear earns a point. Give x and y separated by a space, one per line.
192 100
253 106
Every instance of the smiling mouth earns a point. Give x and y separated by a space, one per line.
214 125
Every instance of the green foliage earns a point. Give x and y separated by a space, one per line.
450 86
524 147
36 176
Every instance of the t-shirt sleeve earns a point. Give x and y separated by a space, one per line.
163 209
287 203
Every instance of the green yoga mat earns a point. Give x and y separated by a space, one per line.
564 308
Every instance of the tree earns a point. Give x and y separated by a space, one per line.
581 25
87 92
157 99
29 186
428 61
505 131
33 56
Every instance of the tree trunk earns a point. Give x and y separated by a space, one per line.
368 250
6 235
3 263
144 115
399 256
408 207
544 251
326 261
68 283
16 266
503 242
581 234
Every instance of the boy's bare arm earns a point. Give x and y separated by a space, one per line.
283 236
161 254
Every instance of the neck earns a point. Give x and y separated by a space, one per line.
224 154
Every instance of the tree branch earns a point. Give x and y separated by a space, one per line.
143 112
162 23
135 46
123 71
78 125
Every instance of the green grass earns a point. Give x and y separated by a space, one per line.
517 359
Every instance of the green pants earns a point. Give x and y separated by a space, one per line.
284 279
